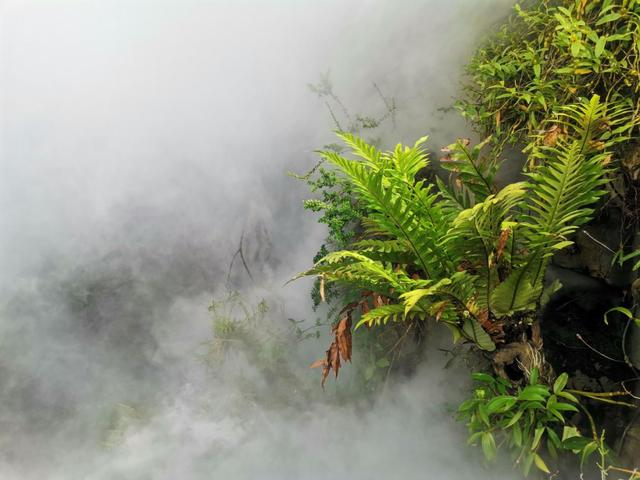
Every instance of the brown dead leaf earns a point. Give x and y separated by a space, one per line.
331 362
340 347
440 310
318 363
495 328
364 306
502 242
377 301
322 294
343 339
465 265
581 7
552 134
333 356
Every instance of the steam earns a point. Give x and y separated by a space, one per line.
139 142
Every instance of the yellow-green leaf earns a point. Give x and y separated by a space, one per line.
537 459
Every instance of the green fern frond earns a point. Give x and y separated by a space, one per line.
382 315
473 331
359 147
476 174
474 232
399 206
561 192
409 161
571 178
518 292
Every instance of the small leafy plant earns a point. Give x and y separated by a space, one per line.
531 421
549 55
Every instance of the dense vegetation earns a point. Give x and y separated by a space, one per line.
559 81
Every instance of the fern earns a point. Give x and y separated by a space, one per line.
475 173
400 206
571 178
470 255
382 315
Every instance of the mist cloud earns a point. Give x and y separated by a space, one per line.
139 140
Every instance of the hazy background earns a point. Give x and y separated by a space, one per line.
138 139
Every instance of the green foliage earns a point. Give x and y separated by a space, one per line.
468 253
551 54
242 327
532 422
340 211
620 258
337 203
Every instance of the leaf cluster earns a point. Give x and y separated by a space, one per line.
551 54
532 422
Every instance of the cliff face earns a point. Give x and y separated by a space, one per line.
607 354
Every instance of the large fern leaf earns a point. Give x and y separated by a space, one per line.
400 207
571 177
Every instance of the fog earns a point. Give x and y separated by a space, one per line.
140 141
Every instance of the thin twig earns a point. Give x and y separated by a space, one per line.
597 241
244 262
579 337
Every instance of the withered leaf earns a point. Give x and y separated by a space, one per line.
340 347
318 363
502 242
439 311
333 355
322 295
343 338
377 301
364 306
552 134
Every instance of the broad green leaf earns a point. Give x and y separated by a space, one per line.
553 437
516 293
608 18
484 415
514 419
536 437
473 331
599 48
560 383
568 396
569 432
587 451
537 459
575 443
482 377
501 404
531 396
517 435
